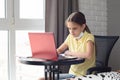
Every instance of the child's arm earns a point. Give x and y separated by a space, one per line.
62 48
87 54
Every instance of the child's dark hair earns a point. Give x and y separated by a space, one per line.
79 18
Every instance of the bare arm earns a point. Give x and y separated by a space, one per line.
62 48
87 54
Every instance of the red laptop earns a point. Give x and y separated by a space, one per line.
43 45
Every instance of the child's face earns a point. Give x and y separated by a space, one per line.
75 29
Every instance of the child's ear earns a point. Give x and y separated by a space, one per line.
84 25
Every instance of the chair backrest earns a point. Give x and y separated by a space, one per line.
104 45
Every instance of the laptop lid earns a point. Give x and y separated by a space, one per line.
43 45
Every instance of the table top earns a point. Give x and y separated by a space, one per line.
36 61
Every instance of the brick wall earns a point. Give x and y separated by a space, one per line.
96 15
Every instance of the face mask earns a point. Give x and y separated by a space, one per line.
80 35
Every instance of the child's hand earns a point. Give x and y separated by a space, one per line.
67 53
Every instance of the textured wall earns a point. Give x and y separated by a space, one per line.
96 15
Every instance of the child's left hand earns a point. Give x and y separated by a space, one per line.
67 53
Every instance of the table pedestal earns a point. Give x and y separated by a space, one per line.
51 72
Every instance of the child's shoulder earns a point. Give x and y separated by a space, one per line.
89 35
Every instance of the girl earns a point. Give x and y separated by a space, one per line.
80 43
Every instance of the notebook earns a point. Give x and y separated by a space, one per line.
43 46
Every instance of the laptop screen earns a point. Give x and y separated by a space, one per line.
43 45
